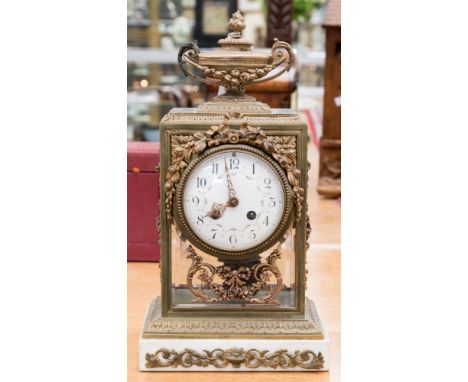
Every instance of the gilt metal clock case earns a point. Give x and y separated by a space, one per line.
227 303
186 139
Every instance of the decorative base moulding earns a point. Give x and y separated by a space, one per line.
200 351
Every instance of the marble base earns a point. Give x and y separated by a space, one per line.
198 345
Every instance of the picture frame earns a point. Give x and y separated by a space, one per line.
212 17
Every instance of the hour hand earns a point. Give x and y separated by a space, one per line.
216 211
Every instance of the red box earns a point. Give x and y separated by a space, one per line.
142 201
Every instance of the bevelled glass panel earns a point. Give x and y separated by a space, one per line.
202 281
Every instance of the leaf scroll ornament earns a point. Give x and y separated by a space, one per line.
235 358
183 148
239 283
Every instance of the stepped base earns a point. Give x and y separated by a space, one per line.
233 345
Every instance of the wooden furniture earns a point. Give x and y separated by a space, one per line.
279 18
330 143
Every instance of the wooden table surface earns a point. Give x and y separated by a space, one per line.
323 287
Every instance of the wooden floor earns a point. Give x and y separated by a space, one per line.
323 287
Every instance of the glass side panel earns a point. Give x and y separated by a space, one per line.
212 284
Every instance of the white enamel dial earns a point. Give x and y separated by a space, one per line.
233 200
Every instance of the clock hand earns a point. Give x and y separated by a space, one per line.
217 210
232 201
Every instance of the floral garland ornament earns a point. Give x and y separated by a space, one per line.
239 283
184 148
235 357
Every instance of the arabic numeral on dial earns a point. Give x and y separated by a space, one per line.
266 221
196 200
214 233
253 168
252 235
233 239
272 202
201 182
200 220
214 168
267 182
234 164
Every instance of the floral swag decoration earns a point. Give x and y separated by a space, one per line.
185 147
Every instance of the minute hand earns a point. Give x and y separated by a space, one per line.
232 201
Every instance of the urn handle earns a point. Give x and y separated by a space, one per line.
277 54
188 57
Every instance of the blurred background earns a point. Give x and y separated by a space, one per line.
156 29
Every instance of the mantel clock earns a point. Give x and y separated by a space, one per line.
234 226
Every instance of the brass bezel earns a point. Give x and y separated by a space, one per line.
224 255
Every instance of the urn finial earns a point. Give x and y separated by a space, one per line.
236 22
234 40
